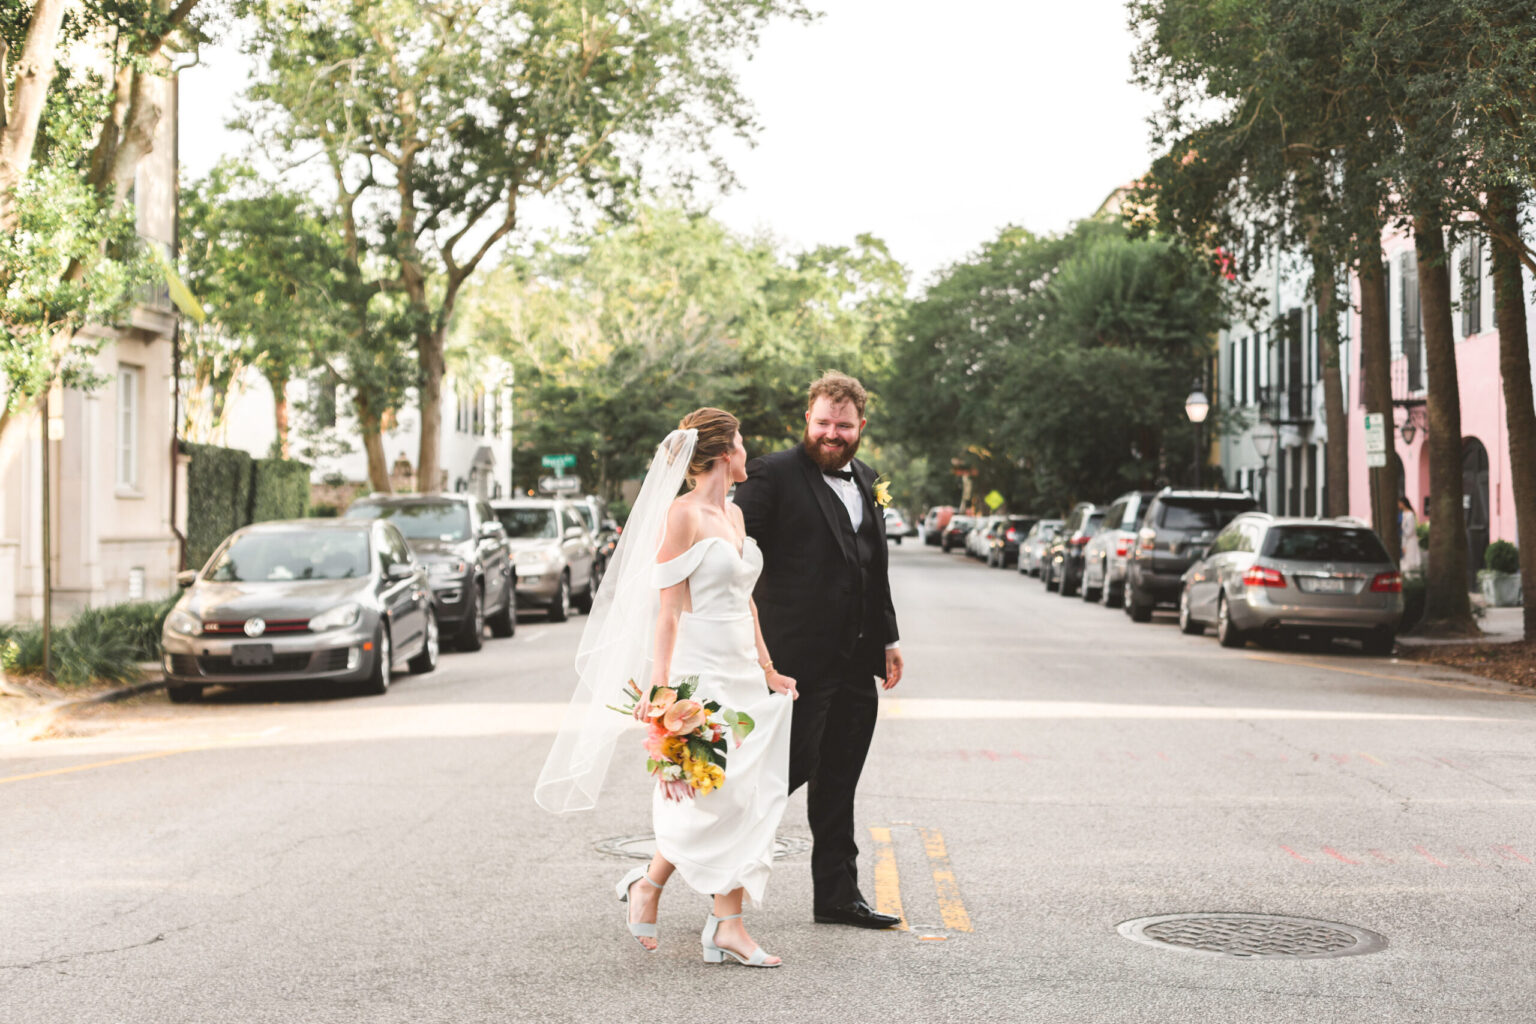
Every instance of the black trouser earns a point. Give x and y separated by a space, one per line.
834 720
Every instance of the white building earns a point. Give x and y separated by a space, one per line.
116 528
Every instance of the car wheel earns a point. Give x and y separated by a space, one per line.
379 679
504 622
1228 634
1068 584
1187 623
560 607
584 602
184 694
1380 644
898 542
471 635
1135 607
426 659
1107 595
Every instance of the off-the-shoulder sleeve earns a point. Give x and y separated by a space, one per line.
669 574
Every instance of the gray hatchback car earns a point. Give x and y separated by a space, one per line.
1265 575
301 599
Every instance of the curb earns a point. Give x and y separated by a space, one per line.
27 729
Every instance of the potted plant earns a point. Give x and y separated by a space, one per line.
1500 577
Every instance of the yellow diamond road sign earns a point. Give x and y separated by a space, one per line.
993 500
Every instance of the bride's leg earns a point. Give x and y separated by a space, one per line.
644 899
732 934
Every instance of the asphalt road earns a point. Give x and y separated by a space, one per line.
1047 771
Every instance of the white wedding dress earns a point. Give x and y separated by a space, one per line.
723 840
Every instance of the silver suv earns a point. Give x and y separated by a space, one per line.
554 553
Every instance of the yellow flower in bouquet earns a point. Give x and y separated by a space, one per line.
883 493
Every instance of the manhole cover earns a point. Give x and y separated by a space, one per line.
1253 936
643 846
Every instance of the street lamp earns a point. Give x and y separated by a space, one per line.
1264 444
1197 407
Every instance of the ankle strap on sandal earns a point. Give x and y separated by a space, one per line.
728 917
645 876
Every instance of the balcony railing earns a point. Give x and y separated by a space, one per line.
1286 403
1408 378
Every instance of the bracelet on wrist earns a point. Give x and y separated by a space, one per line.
766 666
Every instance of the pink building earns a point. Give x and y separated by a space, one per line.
1486 495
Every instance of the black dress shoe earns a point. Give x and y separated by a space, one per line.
858 913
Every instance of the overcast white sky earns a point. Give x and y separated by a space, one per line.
930 124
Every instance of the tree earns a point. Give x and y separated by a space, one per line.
438 118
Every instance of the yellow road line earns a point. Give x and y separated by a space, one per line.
887 881
956 919
98 764
1402 679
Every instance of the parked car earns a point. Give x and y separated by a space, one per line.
1063 570
1174 533
604 531
955 532
979 540
934 523
1267 576
1034 545
1109 552
301 599
554 552
1005 540
465 551
896 525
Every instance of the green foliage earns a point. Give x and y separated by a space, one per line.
1502 556
1056 367
279 490
227 489
140 622
218 497
97 646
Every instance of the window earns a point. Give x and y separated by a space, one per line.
1413 341
128 427
1472 289
477 412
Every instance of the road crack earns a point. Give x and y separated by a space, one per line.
64 958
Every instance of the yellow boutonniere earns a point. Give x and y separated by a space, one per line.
883 493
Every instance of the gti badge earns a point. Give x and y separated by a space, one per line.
255 627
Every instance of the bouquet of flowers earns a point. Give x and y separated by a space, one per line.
685 738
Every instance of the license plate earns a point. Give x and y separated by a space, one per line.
1328 586
250 655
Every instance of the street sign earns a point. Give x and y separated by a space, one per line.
560 484
1375 440
558 463
993 500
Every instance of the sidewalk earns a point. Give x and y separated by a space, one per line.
1499 625
29 709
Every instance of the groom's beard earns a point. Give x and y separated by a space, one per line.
831 453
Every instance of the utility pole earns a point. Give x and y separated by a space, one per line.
43 423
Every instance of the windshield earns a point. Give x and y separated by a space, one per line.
1324 544
588 515
295 555
419 521
1204 515
528 523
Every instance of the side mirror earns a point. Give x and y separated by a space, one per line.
611 524
574 533
401 571
186 577
492 531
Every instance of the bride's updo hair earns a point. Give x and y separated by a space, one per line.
717 436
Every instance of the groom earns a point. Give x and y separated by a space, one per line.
824 603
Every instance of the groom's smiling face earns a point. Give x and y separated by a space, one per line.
832 432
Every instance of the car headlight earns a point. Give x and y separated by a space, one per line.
446 568
336 618
183 623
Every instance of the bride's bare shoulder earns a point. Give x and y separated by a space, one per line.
682 523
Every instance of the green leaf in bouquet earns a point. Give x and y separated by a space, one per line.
729 718
743 726
711 706
698 748
651 764
686 686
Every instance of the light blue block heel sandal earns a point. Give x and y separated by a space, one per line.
714 954
639 929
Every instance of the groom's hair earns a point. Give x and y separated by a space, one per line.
840 388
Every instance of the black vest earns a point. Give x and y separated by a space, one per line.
866 541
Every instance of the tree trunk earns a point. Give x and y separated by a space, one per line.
1515 368
429 349
22 108
373 444
1447 607
1336 416
279 385
1376 390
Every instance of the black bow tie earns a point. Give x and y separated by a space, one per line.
841 474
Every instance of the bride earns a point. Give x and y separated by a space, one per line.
677 602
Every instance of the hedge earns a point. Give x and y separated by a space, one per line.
227 489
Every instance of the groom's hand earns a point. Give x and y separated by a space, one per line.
893 665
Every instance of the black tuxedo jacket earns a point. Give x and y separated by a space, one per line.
806 593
